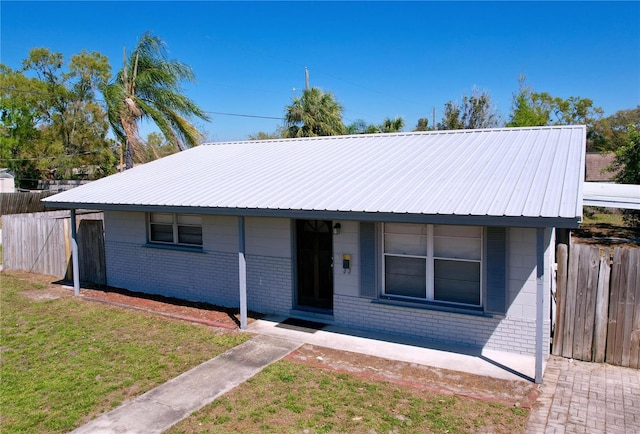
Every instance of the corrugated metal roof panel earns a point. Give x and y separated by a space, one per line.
514 172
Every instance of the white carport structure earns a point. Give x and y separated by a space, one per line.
608 195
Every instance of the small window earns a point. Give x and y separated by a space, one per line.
438 263
179 229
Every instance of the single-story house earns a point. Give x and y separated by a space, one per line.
443 236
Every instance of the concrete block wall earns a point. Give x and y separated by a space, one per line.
269 284
210 276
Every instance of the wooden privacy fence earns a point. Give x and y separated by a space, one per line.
20 202
40 243
598 305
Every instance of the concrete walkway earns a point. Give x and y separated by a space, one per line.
490 363
581 397
167 404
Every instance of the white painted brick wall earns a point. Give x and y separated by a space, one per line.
269 284
515 335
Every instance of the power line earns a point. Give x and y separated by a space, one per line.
34 92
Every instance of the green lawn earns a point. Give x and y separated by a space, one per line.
287 397
64 361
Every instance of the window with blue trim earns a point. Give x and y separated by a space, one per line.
438 263
175 229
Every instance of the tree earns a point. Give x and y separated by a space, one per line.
154 147
148 87
360 126
540 108
261 135
52 124
422 125
476 111
627 165
315 113
394 125
610 133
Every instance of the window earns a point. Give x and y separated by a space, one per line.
437 263
179 229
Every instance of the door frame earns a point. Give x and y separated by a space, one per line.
296 269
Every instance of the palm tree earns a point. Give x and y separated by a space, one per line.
148 87
315 113
394 125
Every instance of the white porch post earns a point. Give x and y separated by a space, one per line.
539 303
242 275
74 255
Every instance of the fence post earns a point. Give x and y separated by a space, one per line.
74 254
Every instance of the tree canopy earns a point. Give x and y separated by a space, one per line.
51 123
149 87
314 113
476 111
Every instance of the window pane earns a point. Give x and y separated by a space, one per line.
157 217
405 244
457 281
162 233
185 219
405 228
456 247
405 276
458 231
190 235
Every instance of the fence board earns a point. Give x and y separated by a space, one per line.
634 361
602 309
623 258
20 202
570 304
614 295
629 303
561 298
580 300
590 290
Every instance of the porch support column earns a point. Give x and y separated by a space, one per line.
539 303
242 274
74 255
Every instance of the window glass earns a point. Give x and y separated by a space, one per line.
157 217
405 276
457 281
405 244
175 229
190 235
456 247
186 219
162 233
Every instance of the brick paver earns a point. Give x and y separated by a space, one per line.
582 397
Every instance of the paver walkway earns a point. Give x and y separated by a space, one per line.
582 397
167 404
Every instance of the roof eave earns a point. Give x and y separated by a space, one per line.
478 220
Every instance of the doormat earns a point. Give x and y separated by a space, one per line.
301 325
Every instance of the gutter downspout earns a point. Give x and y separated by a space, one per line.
242 274
539 303
74 255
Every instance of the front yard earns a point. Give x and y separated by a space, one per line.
65 360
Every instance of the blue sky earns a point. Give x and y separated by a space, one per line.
379 59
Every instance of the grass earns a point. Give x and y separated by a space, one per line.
64 361
288 397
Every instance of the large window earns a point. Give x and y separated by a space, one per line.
433 262
179 229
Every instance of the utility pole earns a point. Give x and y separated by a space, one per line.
306 78
434 118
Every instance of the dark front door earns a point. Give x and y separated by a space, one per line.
314 241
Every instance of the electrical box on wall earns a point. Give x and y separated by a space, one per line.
346 262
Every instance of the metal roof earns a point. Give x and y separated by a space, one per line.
527 174
625 196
